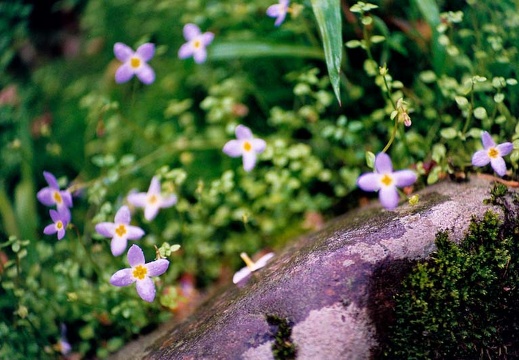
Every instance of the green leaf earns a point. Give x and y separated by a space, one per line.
431 13
328 16
255 49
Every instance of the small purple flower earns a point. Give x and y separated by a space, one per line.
120 231
385 181
52 195
63 345
245 145
279 11
492 154
196 43
153 200
140 273
60 220
134 63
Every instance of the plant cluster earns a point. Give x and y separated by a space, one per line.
463 302
165 95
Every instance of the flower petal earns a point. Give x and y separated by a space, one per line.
388 197
487 140
135 256
241 275
146 51
118 245
200 55
122 278
191 31
480 158
150 211
67 198
207 38
61 233
249 160
369 181
499 166
262 261
280 18
168 201
122 52
383 163
259 145
51 180
124 73
154 186
274 10
50 229
146 289
123 215
106 229
138 199
45 196
233 148
185 51
404 178
145 74
243 132
505 148
157 267
134 232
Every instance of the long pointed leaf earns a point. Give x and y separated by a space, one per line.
328 15
256 49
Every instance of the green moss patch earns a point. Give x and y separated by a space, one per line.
283 347
463 302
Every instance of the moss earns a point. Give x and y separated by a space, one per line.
463 302
283 347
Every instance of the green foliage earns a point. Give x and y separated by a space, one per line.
283 346
462 303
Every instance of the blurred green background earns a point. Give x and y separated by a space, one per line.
455 63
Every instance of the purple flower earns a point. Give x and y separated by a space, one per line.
63 345
140 272
196 43
52 195
153 200
492 154
385 181
120 231
60 220
245 146
279 11
134 63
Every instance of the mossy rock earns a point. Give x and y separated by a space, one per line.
334 289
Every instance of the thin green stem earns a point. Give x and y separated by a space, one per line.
470 111
393 135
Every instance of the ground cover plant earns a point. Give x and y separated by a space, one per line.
145 144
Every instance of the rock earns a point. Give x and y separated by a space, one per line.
332 286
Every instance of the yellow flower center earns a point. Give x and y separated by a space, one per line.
121 230
386 180
153 199
493 152
59 225
197 44
57 197
247 146
135 62
139 272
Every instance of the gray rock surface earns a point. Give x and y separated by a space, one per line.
331 285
